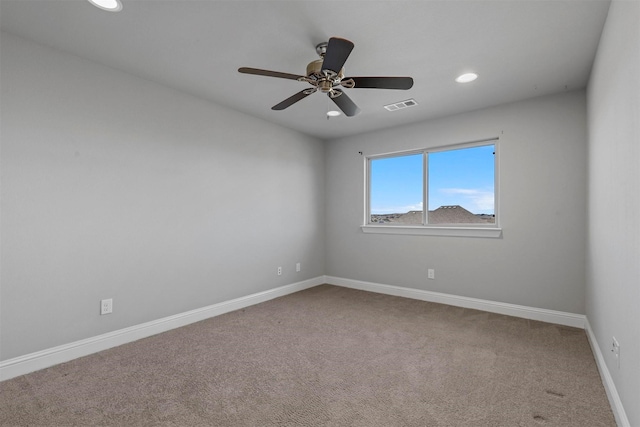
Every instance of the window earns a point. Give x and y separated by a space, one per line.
397 189
444 188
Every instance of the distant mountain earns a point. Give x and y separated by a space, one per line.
452 214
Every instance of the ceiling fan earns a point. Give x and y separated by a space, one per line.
327 75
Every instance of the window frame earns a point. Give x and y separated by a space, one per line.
459 230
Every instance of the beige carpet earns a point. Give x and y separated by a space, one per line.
327 356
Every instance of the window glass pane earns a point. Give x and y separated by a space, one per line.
396 190
461 186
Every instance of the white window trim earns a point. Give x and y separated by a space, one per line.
453 230
432 230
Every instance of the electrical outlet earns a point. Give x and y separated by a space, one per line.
297 267
431 274
279 271
615 349
106 306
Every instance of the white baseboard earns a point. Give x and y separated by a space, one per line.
43 359
609 386
543 315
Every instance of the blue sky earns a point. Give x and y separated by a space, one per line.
462 177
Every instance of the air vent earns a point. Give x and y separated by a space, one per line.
402 104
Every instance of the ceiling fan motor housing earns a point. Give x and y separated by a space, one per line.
315 68
324 79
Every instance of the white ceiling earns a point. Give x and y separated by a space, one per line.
520 49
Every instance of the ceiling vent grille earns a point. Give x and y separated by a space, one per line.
402 104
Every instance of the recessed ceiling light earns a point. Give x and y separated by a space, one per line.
466 78
333 113
109 5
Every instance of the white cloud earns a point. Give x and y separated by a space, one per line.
477 200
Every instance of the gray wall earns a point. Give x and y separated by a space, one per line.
613 278
116 187
539 261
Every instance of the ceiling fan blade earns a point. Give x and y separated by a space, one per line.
338 51
402 83
348 107
259 72
292 99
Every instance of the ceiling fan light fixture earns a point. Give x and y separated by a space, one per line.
466 78
108 5
333 113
